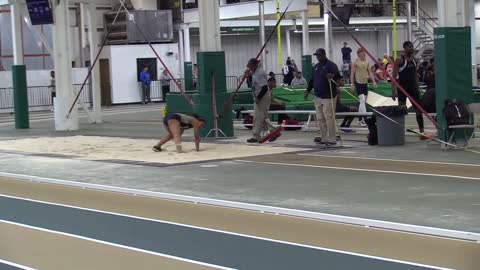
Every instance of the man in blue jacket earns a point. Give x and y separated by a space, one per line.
146 81
325 92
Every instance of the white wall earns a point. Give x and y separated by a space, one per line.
145 4
123 68
239 48
41 77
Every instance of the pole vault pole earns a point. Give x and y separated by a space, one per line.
187 98
279 36
90 70
394 31
234 94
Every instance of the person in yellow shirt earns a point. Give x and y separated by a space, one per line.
361 70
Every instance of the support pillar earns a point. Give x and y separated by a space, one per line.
63 71
212 73
287 38
306 54
261 13
181 56
19 73
409 20
95 77
387 40
327 19
453 57
187 65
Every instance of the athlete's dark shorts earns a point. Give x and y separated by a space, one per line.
361 88
412 91
172 116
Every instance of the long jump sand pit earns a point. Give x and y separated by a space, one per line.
113 148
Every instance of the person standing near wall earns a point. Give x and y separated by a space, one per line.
346 54
289 71
325 92
165 82
52 87
146 82
359 77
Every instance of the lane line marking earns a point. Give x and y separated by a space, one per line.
221 232
395 160
16 265
356 169
114 245
371 223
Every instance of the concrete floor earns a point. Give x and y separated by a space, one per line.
435 201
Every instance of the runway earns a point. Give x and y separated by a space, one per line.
203 236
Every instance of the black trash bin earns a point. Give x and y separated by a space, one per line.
389 132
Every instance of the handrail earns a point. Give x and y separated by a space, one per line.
426 17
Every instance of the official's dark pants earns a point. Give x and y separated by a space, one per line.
146 94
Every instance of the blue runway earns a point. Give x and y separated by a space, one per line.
193 243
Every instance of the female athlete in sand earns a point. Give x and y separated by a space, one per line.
175 124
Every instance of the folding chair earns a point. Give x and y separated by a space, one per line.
474 108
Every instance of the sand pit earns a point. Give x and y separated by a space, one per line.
111 148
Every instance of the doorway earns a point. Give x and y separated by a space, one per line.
105 85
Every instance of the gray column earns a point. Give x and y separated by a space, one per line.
95 77
387 40
409 20
261 13
305 34
63 71
16 18
186 40
287 37
181 50
328 28
209 26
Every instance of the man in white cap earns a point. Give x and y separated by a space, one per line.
263 97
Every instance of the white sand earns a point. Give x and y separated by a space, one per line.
96 148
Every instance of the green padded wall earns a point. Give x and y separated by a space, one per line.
453 75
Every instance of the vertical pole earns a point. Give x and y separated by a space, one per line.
95 77
279 36
181 57
306 55
187 61
409 21
387 34
394 32
417 12
17 33
186 40
63 71
287 37
209 26
327 19
261 13
305 34
19 73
